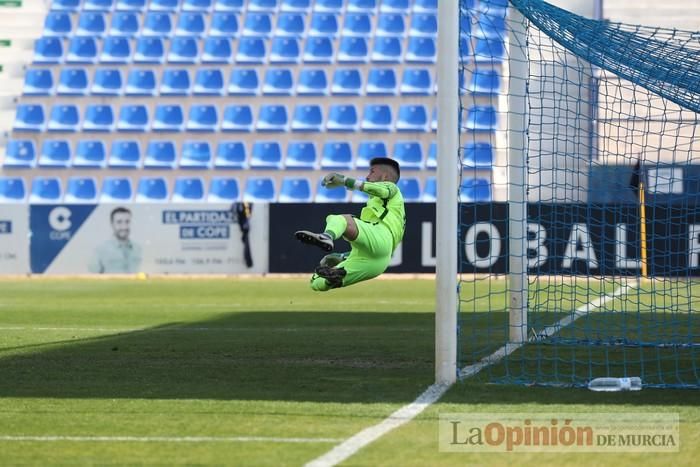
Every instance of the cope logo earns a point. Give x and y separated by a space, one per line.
60 223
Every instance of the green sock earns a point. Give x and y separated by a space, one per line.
335 226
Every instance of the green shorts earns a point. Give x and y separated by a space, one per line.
369 257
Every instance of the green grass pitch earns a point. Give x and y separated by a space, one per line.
252 372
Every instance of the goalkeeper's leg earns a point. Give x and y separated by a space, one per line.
337 226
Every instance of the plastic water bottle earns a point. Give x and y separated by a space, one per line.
615 384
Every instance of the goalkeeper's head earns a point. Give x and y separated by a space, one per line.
383 169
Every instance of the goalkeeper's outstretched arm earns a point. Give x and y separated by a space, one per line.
379 189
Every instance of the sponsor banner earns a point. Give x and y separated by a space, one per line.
149 238
14 239
557 432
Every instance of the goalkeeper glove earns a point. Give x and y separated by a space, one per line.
333 259
334 180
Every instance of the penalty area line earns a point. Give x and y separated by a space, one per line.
165 439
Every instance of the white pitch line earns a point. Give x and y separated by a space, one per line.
166 439
408 412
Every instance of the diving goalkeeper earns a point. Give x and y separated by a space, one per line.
373 237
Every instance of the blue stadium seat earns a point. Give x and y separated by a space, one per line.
46 190
223 190
361 6
312 82
224 24
381 82
196 155
98 117
484 82
12 190
318 50
257 24
425 6
29 117
64 117
202 117
90 154
301 155
48 50
229 5
98 5
424 24
196 5
430 190
190 24
352 50
307 117
217 50
342 117
251 50
412 118
133 118
168 118
279 82
478 154
493 7
116 190
431 163
152 190
175 82
91 24
376 117
387 49
391 25
290 25
416 81
272 117
359 197
183 50
65 5
357 25
38 82
149 50
330 195
57 23
298 6
140 82
410 189
231 155
19 154
489 51
331 6
115 49
160 154
481 118
55 153
237 118
208 82
475 190
490 27
284 50
434 120
80 190
124 154
323 24
131 5
336 155
82 50
244 81
156 23
164 5
295 190
395 6
266 155
106 82
347 81
368 150
269 6
409 154
259 189
421 50
124 23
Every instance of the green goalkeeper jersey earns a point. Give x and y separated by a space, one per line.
385 205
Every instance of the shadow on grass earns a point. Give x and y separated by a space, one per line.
300 356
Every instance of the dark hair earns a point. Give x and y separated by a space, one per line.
386 161
116 211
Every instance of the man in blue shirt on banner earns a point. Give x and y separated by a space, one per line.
119 254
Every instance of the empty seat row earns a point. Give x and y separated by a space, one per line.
76 81
199 154
220 189
163 24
